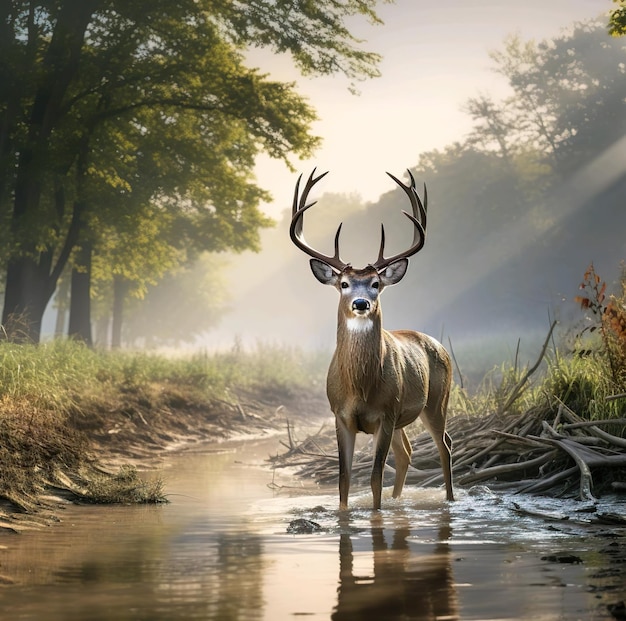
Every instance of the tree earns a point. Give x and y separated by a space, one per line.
568 94
617 19
78 75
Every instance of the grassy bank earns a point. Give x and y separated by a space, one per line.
64 408
583 384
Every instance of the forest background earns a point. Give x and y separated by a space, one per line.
127 151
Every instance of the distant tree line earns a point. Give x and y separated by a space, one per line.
517 209
128 136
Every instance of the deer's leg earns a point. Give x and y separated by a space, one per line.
402 452
436 426
382 442
445 452
345 446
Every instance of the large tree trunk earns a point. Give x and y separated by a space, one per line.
30 279
25 299
80 302
120 288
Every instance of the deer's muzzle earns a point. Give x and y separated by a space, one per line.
360 305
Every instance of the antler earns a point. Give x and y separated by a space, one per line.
418 219
295 230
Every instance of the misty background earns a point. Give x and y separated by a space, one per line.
518 208
514 117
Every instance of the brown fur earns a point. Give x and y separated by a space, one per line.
379 382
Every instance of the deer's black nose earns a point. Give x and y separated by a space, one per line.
360 305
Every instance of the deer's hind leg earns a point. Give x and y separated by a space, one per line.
434 419
402 450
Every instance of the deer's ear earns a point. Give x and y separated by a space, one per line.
394 273
323 272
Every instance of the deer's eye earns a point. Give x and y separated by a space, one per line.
344 285
375 285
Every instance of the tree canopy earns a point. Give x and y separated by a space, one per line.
617 19
135 125
517 208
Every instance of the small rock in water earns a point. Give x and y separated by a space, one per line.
618 610
479 490
302 526
562 558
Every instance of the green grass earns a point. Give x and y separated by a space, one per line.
60 373
125 487
53 395
583 384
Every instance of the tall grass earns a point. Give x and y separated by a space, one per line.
52 394
60 373
585 385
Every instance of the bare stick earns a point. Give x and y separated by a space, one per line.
621 395
515 393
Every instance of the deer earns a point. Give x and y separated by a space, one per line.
379 381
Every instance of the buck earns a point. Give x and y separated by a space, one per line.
379 381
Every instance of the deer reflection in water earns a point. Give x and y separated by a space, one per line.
404 584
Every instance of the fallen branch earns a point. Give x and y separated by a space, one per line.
525 452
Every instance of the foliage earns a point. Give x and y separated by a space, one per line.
584 385
608 317
59 373
617 19
568 94
142 121
512 205
126 486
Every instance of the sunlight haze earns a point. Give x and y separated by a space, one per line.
435 56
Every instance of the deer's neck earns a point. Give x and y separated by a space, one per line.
360 353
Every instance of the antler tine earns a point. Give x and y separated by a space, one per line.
418 218
295 229
381 258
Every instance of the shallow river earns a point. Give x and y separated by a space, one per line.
221 550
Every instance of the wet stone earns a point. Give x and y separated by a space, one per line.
562 558
618 610
302 526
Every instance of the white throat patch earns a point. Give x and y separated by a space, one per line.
359 324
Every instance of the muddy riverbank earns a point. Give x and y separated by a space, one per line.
93 454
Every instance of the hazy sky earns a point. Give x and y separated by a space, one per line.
435 56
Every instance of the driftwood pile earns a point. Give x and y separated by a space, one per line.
538 451
548 449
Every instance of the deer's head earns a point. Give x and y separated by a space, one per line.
359 289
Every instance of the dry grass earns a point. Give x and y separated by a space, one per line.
63 407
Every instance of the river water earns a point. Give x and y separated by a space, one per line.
221 550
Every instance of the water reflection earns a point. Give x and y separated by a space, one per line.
220 551
407 579
222 579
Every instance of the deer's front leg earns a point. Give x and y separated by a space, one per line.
382 442
402 452
345 446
